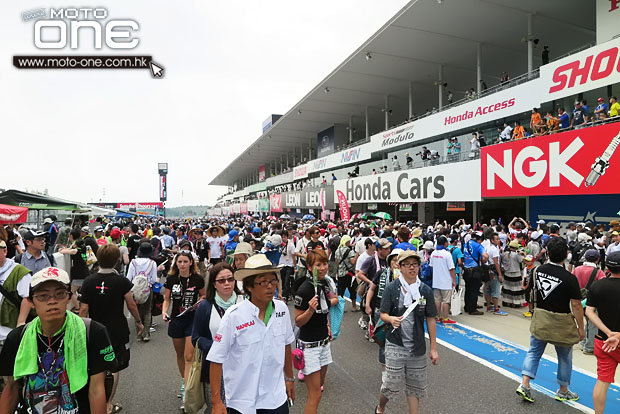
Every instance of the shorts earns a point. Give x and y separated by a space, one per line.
316 358
181 327
606 362
122 358
442 295
493 288
402 366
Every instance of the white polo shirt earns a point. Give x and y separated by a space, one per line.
441 262
252 356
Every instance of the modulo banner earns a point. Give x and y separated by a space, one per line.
583 161
450 182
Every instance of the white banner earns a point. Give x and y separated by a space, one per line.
593 68
217 211
607 17
236 208
518 99
344 157
300 172
448 182
253 205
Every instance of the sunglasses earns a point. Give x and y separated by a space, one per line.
227 280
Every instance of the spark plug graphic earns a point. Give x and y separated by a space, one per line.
602 163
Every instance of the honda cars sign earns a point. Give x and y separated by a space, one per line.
582 161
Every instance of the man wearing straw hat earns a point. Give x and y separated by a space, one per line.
215 238
252 348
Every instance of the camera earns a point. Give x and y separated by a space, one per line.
418 153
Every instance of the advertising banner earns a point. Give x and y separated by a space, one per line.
261 173
300 172
235 208
163 188
562 210
593 68
291 199
243 208
450 182
582 161
339 159
325 142
263 205
217 211
344 206
226 211
275 203
318 197
607 17
253 205
520 98
140 206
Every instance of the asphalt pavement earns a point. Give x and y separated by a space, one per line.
457 385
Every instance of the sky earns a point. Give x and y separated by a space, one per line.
97 135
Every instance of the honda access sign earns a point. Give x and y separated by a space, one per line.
574 162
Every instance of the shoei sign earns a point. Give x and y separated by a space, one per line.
449 182
574 162
593 68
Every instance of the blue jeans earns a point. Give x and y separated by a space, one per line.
565 360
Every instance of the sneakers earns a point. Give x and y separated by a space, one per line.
500 312
181 393
447 320
146 338
300 376
525 393
490 308
566 396
368 338
152 329
527 314
476 313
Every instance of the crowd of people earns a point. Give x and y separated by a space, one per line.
222 287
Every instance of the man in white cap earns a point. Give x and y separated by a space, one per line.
58 361
252 348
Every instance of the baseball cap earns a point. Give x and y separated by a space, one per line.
98 228
116 234
541 222
428 245
85 229
233 233
383 243
536 235
612 261
47 220
3 244
600 99
514 244
407 254
256 230
275 240
477 235
393 253
591 254
48 274
31 234
614 233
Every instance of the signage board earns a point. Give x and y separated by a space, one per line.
450 182
582 161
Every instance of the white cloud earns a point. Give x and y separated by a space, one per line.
228 66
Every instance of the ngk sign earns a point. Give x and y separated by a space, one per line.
593 68
575 162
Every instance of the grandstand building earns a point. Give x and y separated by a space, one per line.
392 127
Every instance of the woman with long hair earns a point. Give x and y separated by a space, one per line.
222 293
185 289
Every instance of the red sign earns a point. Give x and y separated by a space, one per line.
275 203
592 67
243 208
13 214
345 214
582 161
261 173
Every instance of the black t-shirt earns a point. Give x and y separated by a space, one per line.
555 287
382 278
316 327
314 245
184 292
79 270
579 115
105 296
603 295
90 241
201 248
100 359
133 243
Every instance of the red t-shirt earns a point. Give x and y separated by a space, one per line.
582 273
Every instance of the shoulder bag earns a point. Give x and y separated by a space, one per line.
552 327
478 272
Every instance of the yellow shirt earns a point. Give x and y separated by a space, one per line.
613 111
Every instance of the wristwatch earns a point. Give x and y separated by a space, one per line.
138 322
289 379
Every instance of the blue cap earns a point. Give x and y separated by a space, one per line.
233 233
256 230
